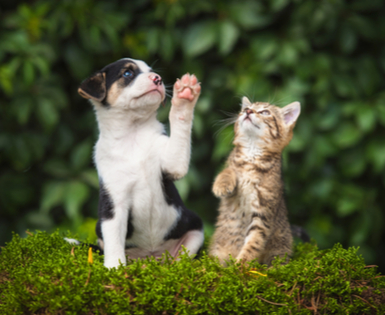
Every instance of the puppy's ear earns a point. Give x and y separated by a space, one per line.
94 87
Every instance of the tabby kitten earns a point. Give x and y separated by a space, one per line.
252 221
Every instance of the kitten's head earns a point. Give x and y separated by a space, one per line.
266 126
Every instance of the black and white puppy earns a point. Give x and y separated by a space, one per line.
140 211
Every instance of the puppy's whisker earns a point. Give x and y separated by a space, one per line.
153 64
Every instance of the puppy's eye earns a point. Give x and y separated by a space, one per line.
264 112
128 74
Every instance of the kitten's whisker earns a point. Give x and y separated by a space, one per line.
227 122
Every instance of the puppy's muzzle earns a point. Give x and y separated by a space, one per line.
156 79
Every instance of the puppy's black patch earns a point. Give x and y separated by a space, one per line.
98 229
105 209
130 226
187 220
94 87
98 85
116 71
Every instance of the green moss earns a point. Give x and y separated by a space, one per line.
42 274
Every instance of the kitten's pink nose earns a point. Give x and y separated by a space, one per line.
249 111
156 79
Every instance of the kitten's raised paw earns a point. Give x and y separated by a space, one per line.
225 184
223 190
186 91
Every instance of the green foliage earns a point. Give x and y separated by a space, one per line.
43 274
329 55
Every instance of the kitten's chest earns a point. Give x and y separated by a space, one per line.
248 183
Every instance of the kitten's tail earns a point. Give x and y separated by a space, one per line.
298 231
95 248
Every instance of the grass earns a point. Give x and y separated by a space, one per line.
43 274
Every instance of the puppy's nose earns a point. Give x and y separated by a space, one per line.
156 79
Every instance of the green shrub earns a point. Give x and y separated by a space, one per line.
43 274
329 55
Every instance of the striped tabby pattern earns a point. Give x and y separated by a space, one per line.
252 221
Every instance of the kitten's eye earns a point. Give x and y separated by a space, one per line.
128 74
264 112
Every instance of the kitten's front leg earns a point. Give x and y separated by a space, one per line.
176 155
225 183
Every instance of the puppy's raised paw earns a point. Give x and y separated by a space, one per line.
186 91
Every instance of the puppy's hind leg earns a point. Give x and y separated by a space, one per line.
192 241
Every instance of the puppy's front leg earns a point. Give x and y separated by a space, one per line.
114 229
176 156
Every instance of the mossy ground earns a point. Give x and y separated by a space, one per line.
42 274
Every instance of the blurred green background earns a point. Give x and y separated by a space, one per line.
328 54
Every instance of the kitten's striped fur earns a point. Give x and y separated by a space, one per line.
252 221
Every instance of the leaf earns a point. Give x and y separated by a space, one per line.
199 38
329 119
344 85
224 144
347 135
53 195
81 155
153 37
22 107
78 61
167 46
278 5
228 35
198 126
249 14
47 113
90 176
296 144
57 168
346 206
76 194
353 163
265 47
366 118
39 220
28 71
348 39
41 64
375 152
183 187
350 200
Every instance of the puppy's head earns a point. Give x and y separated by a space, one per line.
126 84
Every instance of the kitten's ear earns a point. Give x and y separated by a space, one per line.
291 113
245 102
94 87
